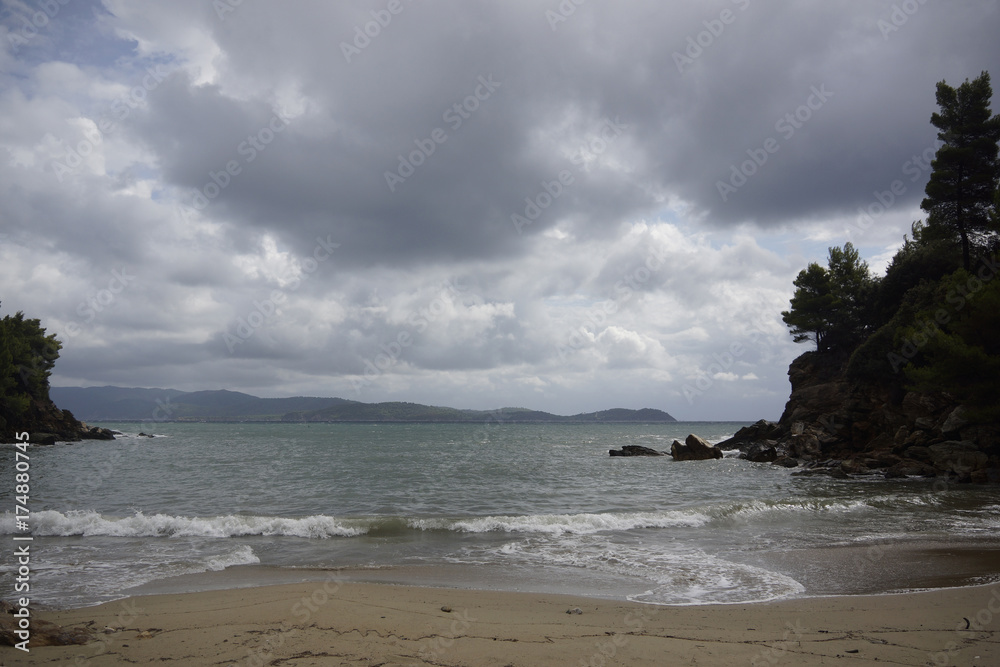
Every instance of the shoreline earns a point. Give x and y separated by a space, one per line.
840 570
334 621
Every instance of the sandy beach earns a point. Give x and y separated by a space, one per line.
346 623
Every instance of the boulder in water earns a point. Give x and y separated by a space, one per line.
694 449
634 450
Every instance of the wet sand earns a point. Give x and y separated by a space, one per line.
333 622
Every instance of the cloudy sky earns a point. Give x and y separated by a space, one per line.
562 206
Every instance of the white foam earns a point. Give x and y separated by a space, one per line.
673 578
559 524
244 555
755 509
89 523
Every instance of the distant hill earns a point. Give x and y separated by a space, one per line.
135 404
414 412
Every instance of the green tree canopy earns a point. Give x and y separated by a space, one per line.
811 305
832 306
962 188
27 356
960 352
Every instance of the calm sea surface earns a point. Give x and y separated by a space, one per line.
519 507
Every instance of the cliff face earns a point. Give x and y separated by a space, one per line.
833 426
46 424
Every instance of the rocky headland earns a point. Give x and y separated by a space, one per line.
46 424
842 428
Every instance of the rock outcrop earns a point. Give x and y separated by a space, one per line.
834 426
635 450
46 424
694 449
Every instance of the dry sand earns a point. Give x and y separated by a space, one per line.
335 623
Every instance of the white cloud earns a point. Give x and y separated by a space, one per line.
632 281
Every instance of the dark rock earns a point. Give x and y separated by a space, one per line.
986 476
881 459
46 424
874 422
785 462
854 467
96 433
761 452
959 457
805 446
761 431
955 421
825 471
147 435
910 468
627 450
694 449
918 453
43 633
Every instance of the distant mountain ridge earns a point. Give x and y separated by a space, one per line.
138 404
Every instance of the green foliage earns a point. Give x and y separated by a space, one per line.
918 261
930 324
27 356
963 184
878 356
808 317
832 306
961 355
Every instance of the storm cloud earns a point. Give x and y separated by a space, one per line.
565 206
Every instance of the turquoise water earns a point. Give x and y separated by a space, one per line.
531 507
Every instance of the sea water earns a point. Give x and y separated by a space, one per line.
512 506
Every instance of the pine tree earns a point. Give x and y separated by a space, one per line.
963 183
811 307
833 306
